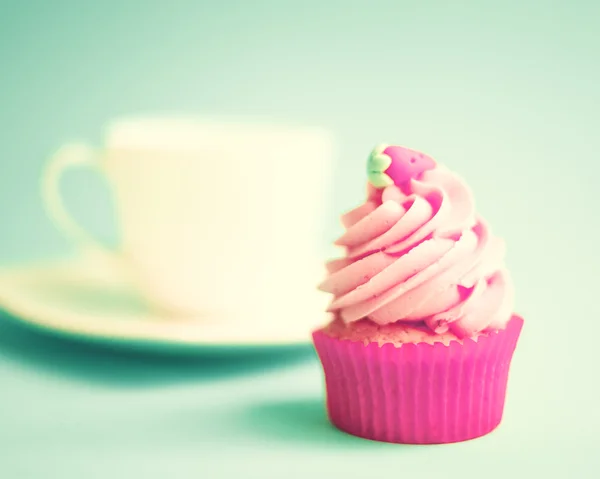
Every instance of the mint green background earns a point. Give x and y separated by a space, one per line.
505 93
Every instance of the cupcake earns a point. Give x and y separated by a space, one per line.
422 327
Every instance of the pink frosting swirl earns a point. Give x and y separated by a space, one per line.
418 253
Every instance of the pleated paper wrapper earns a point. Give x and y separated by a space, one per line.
418 393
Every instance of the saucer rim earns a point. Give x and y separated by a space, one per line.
17 308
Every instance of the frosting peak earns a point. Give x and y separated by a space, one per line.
417 252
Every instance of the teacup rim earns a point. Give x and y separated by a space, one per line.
190 132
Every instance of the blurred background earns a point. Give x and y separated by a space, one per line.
506 94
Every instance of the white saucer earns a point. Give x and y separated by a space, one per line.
83 299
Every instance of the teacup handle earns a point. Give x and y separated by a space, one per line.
73 155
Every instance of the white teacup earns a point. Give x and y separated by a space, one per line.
217 219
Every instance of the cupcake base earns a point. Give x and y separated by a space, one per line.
418 393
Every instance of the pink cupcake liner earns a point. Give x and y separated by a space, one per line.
418 393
